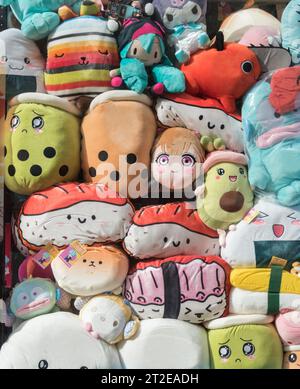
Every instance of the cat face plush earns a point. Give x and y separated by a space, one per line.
190 288
274 231
63 213
98 270
168 230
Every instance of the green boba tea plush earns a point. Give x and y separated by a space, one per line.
42 143
244 342
226 195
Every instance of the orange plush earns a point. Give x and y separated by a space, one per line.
225 72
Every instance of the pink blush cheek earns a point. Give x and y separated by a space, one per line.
224 360
258 222
296 223
218 177
189 170
252 357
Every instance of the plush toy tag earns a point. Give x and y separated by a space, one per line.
278 261
45 256
251 215
128 329
72 253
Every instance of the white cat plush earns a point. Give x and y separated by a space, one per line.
268 230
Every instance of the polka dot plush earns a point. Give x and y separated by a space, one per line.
42 143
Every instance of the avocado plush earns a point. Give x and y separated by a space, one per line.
225 196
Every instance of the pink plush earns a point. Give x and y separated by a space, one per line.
260 35
223 156
288 327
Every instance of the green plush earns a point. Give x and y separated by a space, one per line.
42 143
247 346
226 195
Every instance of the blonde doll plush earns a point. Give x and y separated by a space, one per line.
109 318
177 157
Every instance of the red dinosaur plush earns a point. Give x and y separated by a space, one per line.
224 73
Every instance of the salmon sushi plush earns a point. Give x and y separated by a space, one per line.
172 229
224 73
63 213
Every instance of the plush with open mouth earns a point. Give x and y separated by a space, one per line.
271 126
225 196
89 213
268 230
189 288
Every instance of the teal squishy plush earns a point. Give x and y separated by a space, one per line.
39 17
33 297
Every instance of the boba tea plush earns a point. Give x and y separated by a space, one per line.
117 137
244 342
144 61
42 142
226 195
184 19
288 327
177 157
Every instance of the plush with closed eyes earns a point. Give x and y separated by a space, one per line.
273 231
81 53
189 288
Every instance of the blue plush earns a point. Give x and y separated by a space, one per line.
39 17
272 143
290 29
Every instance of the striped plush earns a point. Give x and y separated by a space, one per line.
81 53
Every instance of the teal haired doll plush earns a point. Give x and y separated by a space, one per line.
143 59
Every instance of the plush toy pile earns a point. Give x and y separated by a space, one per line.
159 170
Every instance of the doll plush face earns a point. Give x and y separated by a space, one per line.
99 270
176 170
291 360
147 51
245 347
32 298
41 147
